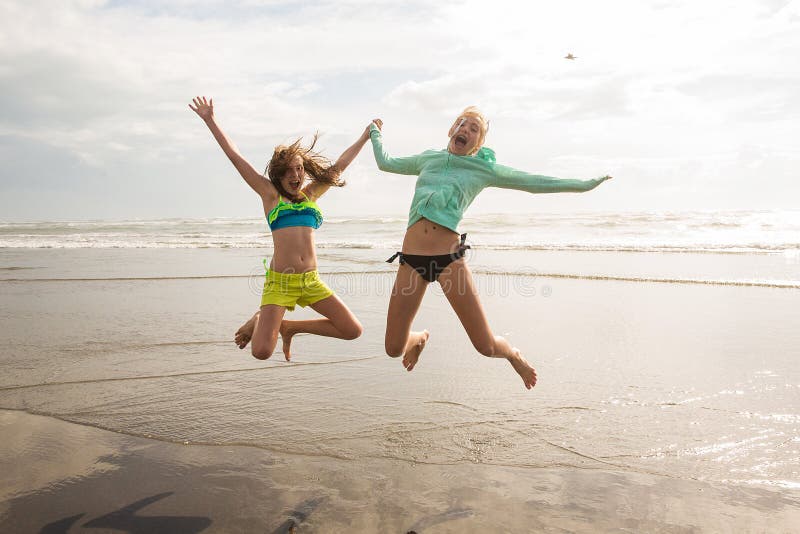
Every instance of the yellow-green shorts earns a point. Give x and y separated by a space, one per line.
289 289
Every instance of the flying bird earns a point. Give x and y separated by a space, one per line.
570 56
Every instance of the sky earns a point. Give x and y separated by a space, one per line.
688 105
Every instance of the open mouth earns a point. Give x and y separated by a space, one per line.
460 141
294 184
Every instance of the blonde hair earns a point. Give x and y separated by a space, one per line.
474 113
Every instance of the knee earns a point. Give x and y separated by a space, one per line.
394 349
353 331
485 346
261 353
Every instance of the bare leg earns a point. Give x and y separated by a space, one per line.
407 293
265 331
245 332
339 322
458 287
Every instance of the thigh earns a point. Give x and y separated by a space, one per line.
459 288
337 311
407 293
268 325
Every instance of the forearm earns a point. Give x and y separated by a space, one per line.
350 153
508 178
225 143
387 163
253 178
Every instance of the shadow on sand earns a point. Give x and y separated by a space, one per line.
126 520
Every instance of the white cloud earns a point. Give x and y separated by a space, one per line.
659 88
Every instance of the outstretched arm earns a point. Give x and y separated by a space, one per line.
314 190
408 165
205 110
509 178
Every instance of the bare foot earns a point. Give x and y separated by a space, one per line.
245 332
411 356
286 337
523 369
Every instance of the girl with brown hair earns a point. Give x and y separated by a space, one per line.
289 201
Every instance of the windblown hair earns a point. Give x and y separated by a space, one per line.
475 113
316 166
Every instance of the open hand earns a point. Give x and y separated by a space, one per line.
204 108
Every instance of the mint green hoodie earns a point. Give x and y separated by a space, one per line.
447 184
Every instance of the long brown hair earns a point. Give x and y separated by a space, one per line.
316 166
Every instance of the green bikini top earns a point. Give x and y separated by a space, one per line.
286 214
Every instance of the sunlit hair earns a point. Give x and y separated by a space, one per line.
474 113
316 167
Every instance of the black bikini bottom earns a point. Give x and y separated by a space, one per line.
430 267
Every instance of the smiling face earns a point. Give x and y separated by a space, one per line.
467 135
294 176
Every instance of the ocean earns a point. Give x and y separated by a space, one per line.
738 247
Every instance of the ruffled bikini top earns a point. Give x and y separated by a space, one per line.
286 214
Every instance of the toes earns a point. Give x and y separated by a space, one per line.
241 340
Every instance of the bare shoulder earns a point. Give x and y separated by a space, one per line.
267 191
315 190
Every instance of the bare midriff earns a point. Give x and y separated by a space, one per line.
294 250
428 238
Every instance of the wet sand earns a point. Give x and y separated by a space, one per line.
62 477
659 408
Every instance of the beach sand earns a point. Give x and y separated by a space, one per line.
126 407
62 477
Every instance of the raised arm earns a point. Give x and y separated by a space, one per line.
408 165
205 110
509 178
350 154
314 190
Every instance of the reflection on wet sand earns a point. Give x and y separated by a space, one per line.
298 515
165 487
435 519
